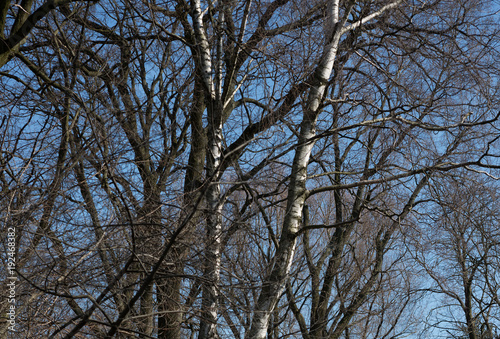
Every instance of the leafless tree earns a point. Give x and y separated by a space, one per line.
239 168
461 244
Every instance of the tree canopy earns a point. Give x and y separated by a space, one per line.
251 169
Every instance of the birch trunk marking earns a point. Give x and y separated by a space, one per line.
210 295
204 48
208 328
274 284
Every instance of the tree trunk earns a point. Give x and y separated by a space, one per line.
274 284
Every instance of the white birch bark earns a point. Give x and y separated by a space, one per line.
210 295
211 275
274 284
205 61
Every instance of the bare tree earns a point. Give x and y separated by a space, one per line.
239 168
461 245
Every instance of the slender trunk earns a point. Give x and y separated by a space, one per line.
469 317
274 283
214 227
170 309
147 244
211 274
169 305
211 267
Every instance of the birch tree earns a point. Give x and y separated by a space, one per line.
274 284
